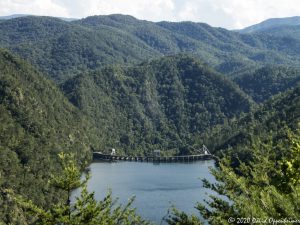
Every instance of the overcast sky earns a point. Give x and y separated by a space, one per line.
229 14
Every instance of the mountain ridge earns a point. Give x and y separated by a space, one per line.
13 16
136 86
63 49
272 23
162 102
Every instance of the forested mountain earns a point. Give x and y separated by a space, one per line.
273 23
134 85
291 34
269 122
64 49
36 123
161 104
271 119
25 15
12 16
260 163
265 82
156 105
258 166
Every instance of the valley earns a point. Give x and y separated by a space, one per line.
69 88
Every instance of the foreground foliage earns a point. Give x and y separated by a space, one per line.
258 176
263 188
266 188
36 122
173 103
85 209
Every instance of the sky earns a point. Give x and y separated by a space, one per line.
230 14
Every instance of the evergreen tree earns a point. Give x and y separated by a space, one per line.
85 210
265 187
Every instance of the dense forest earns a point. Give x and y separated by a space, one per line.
37 122
70 87
157 105
265 82
259 169
63 49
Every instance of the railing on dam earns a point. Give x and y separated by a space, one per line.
182 158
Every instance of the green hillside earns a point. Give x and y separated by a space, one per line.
225 50
259 166
156 105
118 82
270 122
275 116
265 82
288 32
36 123
62 49
273 23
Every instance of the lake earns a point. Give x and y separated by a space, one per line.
156 186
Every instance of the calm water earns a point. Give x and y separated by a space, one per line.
156 186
